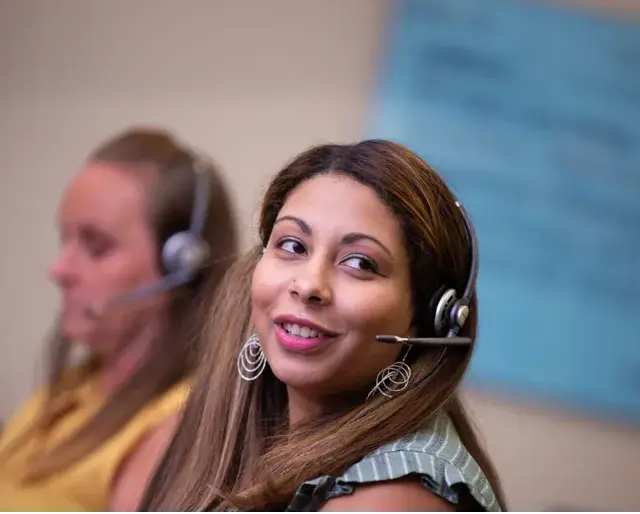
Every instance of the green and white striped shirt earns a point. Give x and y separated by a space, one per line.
435 454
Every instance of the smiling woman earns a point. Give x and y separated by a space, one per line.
335 263
357 240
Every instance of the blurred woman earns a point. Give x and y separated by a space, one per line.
297 406
143 226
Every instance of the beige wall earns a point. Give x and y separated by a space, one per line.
251 83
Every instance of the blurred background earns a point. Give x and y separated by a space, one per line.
529 108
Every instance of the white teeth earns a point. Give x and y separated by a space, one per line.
292 329
299 330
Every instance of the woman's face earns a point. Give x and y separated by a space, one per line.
107 250
335 274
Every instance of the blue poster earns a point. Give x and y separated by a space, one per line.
532 114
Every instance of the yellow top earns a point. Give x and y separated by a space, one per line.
85 484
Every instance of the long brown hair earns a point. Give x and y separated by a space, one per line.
233 448
137 151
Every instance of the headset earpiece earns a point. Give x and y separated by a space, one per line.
451 312
443 311
185 253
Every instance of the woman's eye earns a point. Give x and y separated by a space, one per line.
291 246
361 263
96 245
97 250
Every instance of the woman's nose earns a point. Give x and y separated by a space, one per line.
312 284
61 271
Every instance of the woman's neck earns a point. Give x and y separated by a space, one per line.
304 406
119 367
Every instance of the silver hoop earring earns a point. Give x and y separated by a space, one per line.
251 359
393 379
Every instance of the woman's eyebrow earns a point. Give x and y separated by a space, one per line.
352 237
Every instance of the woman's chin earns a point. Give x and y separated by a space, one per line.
75 330
85 338
309 378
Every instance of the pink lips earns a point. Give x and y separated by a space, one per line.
299 344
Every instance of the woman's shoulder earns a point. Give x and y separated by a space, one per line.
21 418
164 406
135 471
438 440
169 401
401 495
435 454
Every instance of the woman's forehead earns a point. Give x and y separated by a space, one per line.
104 194
337 202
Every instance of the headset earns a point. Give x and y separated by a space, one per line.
184 253
451 312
